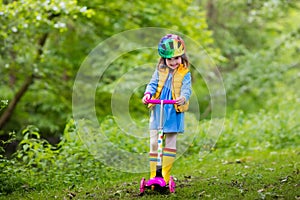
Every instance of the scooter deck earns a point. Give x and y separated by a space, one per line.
159 181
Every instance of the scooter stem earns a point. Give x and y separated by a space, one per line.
160 137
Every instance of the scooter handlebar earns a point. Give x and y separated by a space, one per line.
158 101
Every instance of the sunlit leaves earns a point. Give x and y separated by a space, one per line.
3 104
27 30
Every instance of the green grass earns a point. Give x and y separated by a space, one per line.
255 175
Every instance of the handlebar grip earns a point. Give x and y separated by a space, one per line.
158 101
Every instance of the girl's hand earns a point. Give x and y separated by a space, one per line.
180 101
146 97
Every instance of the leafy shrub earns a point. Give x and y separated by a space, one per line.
3 104
37 164
273 129
9 170
34 152
266 129
9 176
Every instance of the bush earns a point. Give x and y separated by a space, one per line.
38 165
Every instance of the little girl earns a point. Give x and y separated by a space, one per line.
170 81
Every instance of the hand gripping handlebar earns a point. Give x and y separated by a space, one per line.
158 101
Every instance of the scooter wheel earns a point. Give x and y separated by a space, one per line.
172 185
142 185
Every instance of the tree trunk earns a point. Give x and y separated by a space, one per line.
210 10
13 103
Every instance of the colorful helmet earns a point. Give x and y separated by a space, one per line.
171 46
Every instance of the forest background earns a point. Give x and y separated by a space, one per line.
253 50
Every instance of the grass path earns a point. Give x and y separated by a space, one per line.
255 175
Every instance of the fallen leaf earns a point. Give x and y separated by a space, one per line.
71 195
270 169
201 193
285 179
261 190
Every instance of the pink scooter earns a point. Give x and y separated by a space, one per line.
158 182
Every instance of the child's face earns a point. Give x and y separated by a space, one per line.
174 62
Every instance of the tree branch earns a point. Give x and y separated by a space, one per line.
12 104
4 118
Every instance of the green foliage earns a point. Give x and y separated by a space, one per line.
260 40
51 39
255 44
41 165
9 179
123 140
255 61
273 129
267 172
35 153
3 104
27 30
38 164
253 84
